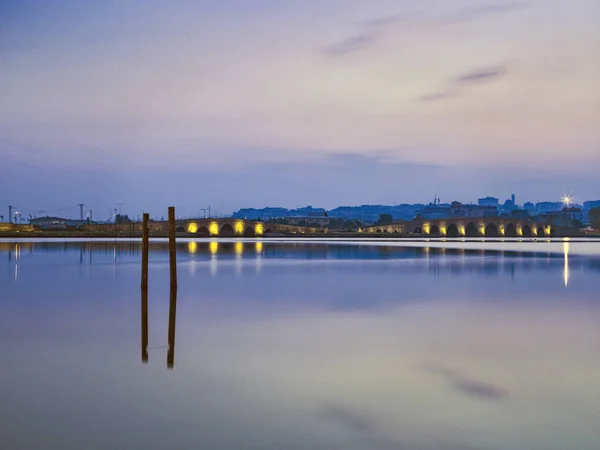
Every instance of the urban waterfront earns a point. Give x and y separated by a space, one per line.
301 344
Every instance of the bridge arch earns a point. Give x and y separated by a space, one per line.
203 231
226 231
435 230
527 231
540 231
471 230
249 232
418 230
180 230
511 230
491 230
452 230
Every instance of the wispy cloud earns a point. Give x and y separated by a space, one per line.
457 84
466 385
369 31
480 11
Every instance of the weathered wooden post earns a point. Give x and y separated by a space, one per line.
145 251
172 249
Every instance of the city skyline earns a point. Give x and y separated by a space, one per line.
287 103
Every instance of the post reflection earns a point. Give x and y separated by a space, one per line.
172 314
144 325
566 263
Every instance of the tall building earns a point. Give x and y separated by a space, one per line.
488 201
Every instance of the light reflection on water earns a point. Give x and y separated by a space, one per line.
288 345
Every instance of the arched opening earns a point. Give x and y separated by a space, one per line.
511 230
180 230
418 230
379 230
552 232
435 230
203 231
226 231
471 230
540 231
491 230
452 231
527 231
268 230
249 232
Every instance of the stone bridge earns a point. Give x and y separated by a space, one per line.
467 227
227 227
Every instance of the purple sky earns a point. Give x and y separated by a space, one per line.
238 103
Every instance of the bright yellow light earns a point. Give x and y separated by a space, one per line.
501 230
192 247
482 229
426 228
567 199
238 248
213 229
213 247
548 230
519 230
238 227
534 230
259 247
192 227
443 230
259 229
462 230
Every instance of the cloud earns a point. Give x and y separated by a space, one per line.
484 74
350 45
467 386
457 84
469 14
370 30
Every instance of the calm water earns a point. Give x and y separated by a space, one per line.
322 345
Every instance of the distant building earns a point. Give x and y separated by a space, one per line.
488 201
57 223
528 206
434 212
316 221
460 210
545 207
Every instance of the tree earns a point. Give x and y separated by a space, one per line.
124 218
594 217
384 219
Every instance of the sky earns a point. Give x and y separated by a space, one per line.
238 103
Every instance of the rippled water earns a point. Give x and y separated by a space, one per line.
301 345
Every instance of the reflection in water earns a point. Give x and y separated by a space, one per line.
172 314
566 268
192 247
144 325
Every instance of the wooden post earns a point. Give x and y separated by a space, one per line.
145 251
144 325
172 249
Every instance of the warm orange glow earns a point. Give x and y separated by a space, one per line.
192 227
238 248
213 247
192 247
443 230
548 230
213 229
238 227
462 230
534 230
519 230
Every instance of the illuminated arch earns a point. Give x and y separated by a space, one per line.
471 230
491 230
511 230
227 231
452 231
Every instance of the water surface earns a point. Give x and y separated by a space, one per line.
301 345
